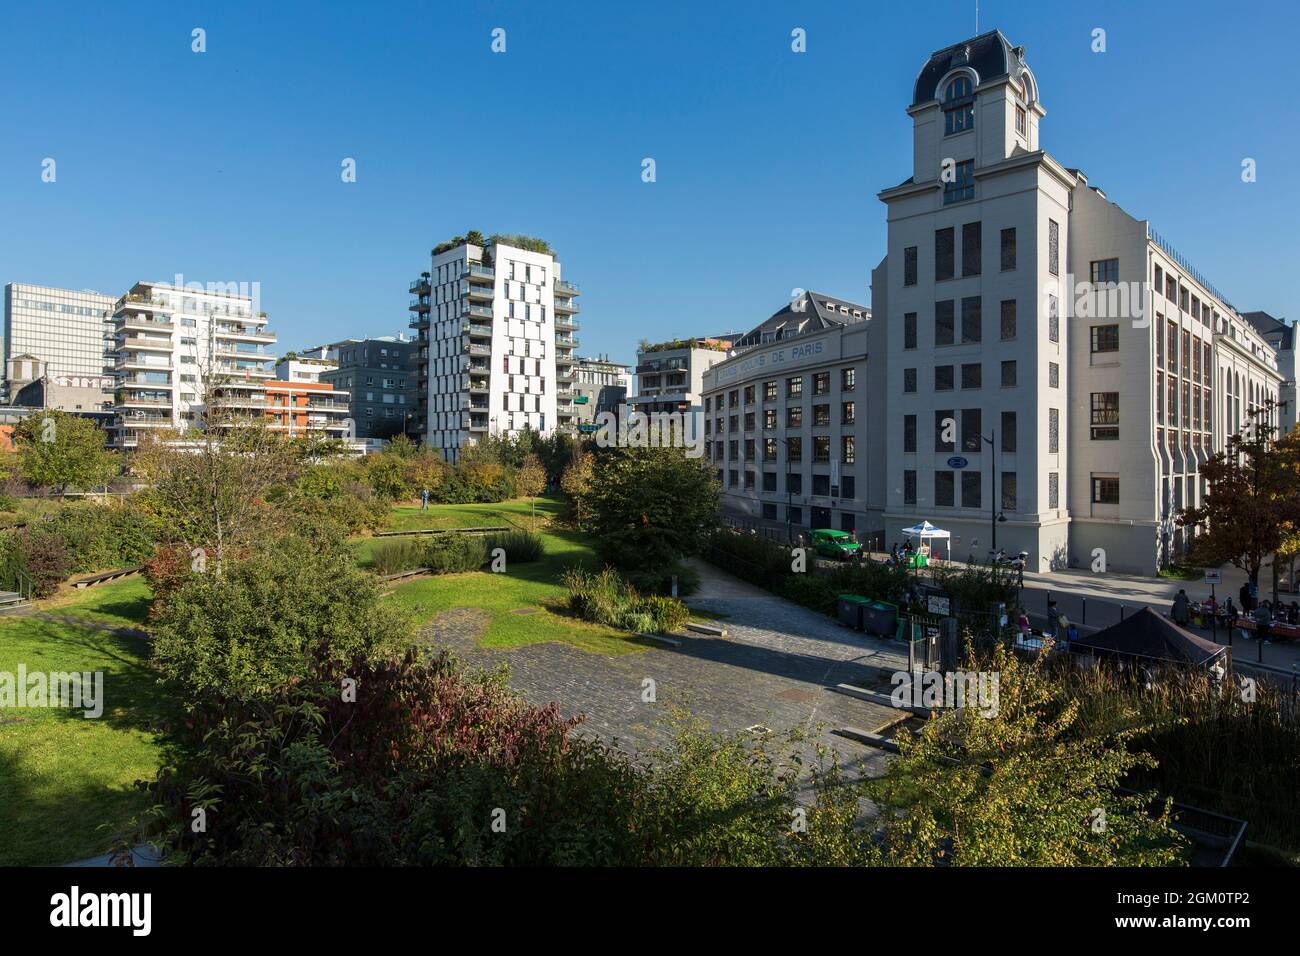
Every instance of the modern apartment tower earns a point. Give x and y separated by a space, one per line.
495 330
173 346
1056 372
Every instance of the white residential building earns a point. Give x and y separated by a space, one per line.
670 375
1042 342
170 343
495 328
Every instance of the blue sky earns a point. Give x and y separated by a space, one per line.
225 165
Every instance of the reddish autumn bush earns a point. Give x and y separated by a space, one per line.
167 570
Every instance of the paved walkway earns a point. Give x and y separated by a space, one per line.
772 670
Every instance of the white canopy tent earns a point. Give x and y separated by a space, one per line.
925 533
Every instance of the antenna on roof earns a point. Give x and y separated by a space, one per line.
977 17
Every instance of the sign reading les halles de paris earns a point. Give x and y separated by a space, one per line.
778 358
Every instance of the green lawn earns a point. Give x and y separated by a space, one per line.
535 587
62 775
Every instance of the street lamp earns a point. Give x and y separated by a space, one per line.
995 516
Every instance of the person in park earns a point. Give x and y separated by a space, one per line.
424 499
1181 611
1022 622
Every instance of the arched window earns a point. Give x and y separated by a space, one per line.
958 105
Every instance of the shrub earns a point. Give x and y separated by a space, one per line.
666 614
811 591
603 597
272 618
45 559
166 570
102 537
454 553
520 547
394 557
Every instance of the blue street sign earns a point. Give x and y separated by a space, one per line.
957 461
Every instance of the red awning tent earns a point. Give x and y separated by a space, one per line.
1150 637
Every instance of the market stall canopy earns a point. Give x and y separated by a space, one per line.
925 530
1151 636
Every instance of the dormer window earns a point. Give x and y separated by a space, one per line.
958 106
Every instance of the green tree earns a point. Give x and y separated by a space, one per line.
62 451
1252 507
650 506
576 483
530 480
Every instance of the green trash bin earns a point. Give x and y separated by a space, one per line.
851 606
879 618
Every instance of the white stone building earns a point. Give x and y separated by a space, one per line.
1041 338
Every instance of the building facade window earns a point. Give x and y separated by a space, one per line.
1105 491
970 248
909 434
972 319
958 106
1104 271
1009 432
1105 338
943 489
1105 416
962 186
909 487
909 265
909 330
1053 247
943 254
1009 374
1008 256
944 322
1007 320
1053 431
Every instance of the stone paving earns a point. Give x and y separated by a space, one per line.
772 670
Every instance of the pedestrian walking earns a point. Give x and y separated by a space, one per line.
424 499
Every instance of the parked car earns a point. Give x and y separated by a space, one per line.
835 544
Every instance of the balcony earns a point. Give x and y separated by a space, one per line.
243 371
476 349
566 341
421 304
142 324
564 359
482 311
149 345
420 286
250 333
483 292
565 325
476 386
565 288
256 353
137 302
478 272
565 306
144 381
131 400
138 362
475 424
476 330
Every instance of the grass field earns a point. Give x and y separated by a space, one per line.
62 775
534 587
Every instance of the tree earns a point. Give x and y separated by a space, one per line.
576 483
1020 783
530 480
1252 506
62 451
651 506
208 489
